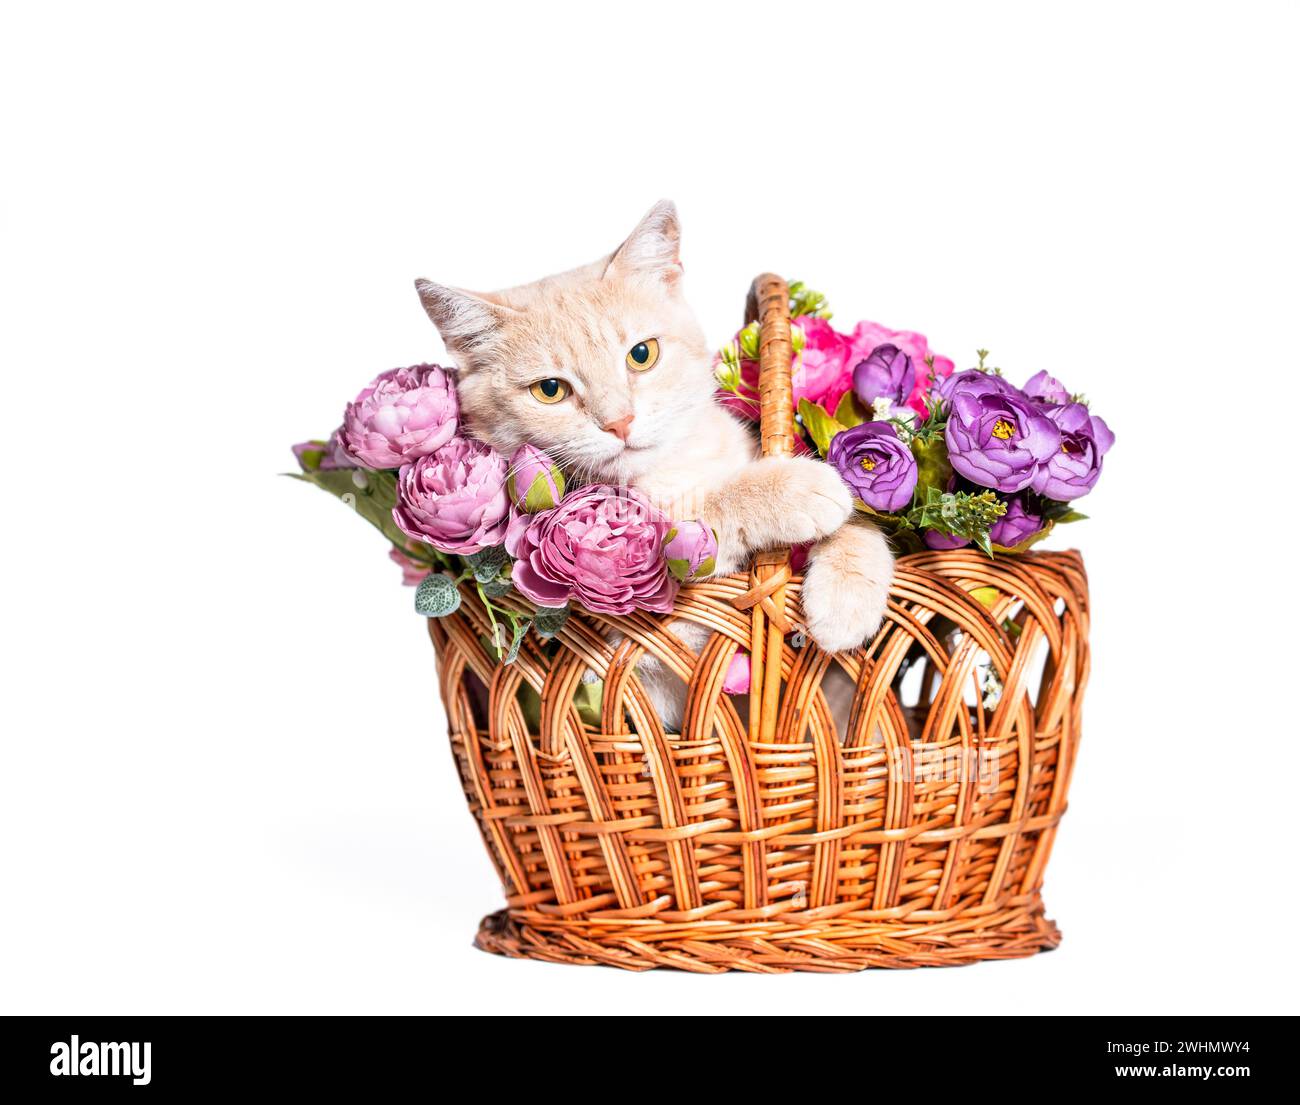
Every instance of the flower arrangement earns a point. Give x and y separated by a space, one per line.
941 458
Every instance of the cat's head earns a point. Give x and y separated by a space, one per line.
604 367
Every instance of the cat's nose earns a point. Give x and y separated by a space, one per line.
621 427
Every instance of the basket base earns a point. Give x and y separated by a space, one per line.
769 947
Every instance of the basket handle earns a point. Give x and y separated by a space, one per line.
769 303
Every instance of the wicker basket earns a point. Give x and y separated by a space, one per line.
760 838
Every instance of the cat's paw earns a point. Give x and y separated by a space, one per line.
812 501
846 588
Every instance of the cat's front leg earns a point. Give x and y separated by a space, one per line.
846 586
775 501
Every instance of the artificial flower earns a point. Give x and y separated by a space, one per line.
602 548
878 467
401 415
996 436
455 498
535 481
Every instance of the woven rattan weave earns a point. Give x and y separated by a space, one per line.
770 834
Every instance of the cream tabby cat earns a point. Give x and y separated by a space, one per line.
605 368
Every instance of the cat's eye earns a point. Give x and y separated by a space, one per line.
643 355
549 390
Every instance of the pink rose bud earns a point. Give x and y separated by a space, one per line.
535 482
736 680
691 549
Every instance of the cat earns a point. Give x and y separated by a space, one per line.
605 368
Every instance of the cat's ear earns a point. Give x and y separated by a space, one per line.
653 248
467 322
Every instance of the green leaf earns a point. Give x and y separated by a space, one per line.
1070 516
520 629
550 620
588 699
371 494
932 467
488 563
850 411
821 426
436 596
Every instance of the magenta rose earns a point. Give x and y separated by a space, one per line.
1073 469
455 499
1015 525
868 336
400 415
602 548
822 373
737 676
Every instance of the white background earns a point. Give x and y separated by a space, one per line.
226 785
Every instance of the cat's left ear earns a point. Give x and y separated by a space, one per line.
469 322
653 248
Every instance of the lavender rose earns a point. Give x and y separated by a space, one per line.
888 373
455 499
996 436
1075 465
974 379
601 547
879 469
943 541
691 549
535 482
1015 525
400 415
1047 388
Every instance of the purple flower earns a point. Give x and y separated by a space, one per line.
879 469
602 547
455 499
1075 465
887 373
943 541
996 436
1048 388
691 549
535 482
1015 525
974 379
400 415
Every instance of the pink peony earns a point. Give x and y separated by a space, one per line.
601 547
401 415
867 335
455 499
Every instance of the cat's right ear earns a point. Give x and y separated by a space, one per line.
467 322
